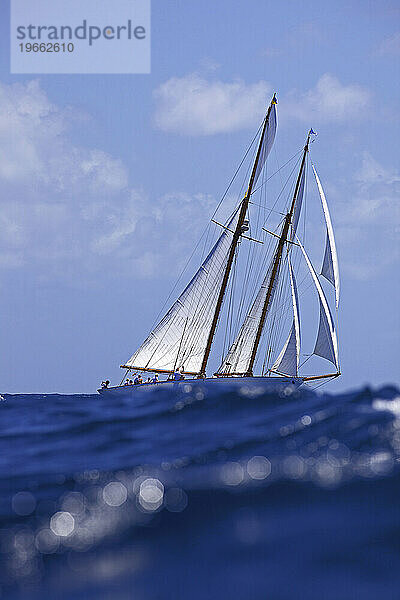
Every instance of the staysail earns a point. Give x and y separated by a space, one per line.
326 344
238 356
180 337
330 266
288 360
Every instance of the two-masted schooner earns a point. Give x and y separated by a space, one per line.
179 346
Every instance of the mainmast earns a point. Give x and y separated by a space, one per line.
276 263
237 233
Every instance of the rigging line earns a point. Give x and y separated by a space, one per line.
267 208
328 380
213 215
179 278
238 169
289 177
204 309
259 275
304 362
282 190
228 328
286 305
180 343
257 280
254 255
268 337
305 195
280 169
277 317
259 257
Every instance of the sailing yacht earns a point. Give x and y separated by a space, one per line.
180 345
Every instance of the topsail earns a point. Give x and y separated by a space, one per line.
330 267
267 142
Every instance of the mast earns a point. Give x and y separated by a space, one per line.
275 268
235 240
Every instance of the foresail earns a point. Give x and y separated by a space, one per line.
330 266
238 356
267 143
288 360
326 343
180 337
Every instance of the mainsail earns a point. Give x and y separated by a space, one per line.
180 337
330 266
288 360
326 343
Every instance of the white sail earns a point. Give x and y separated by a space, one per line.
268 140
326 343
288 360
180 338
330 266
238 356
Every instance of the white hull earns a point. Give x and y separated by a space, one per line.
246 385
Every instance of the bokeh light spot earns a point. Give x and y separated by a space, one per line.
23 503
115 493
62 523
259 467
151 494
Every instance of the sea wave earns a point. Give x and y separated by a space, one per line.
228 495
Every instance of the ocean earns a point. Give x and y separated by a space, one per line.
201 496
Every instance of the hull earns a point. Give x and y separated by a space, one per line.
245 385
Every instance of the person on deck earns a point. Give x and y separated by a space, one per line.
105 384
155 378
138 380
178 374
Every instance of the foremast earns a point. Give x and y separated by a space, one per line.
283 239
235 240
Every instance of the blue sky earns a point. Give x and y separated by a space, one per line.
105 181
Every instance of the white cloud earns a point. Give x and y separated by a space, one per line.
67 211
136 230
329 100
193 105
35 146
367 220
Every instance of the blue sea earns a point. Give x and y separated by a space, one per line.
201 496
